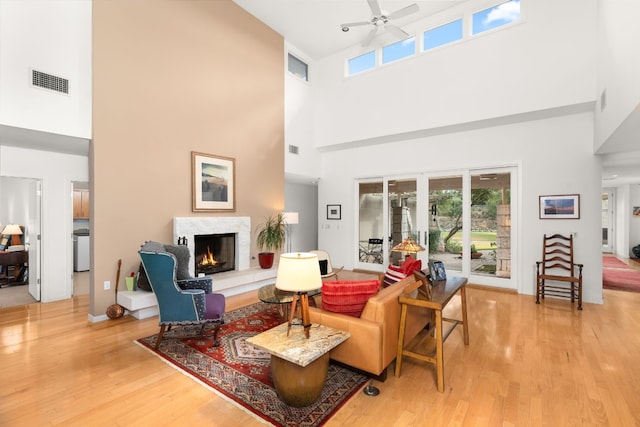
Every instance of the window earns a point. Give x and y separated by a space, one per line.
298 68
441 35
362 63
496 16
399 50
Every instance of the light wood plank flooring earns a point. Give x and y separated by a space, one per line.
526 365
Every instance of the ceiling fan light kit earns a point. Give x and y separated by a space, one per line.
381 19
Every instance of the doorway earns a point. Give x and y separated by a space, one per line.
22 206
608 219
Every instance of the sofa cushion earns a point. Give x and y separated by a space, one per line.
348 296
393 275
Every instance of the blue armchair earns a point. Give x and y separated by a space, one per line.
176 306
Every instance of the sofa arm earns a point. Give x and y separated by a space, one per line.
203 283
363 349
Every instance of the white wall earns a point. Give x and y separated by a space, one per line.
553 157
56 171
299 108
618 65
53 37
523 68
302 198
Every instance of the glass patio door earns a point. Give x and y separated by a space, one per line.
371 228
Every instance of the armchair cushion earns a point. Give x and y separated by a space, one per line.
348 297
182 255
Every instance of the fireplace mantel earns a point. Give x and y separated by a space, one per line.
240 225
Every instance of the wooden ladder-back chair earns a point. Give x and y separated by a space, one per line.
557 266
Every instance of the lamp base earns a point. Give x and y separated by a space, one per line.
304 310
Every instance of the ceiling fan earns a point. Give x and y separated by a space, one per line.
381 19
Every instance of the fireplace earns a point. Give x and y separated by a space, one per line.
214 253
186 229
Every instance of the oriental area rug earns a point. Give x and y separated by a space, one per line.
619 276
240 372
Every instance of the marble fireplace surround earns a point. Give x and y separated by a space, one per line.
244 277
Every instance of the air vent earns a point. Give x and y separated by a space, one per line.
48 81
293 149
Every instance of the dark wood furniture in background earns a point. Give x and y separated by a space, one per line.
14 268
557 266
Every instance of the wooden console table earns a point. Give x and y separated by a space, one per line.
13 264
441 294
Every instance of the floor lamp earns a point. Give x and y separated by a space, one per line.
289 218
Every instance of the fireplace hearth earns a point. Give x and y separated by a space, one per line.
214 253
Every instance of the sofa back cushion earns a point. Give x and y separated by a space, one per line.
348 296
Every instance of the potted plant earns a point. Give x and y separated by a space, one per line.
474 252
270 238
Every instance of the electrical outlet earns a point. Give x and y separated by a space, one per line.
107 285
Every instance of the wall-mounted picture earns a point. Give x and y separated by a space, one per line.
636 211
560 207
213 187
334 211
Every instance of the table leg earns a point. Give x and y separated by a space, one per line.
465 327
403 325
439 351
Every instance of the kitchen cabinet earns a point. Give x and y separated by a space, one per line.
80 204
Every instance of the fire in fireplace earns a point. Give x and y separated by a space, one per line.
214 253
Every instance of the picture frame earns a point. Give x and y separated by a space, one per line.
334 211
437 271
565 206
213 182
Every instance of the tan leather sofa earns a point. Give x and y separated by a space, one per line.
374 336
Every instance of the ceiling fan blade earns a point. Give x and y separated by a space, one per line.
397 31
355 24
413 8
367 40
375 7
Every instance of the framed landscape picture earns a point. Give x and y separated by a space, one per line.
214 182
560 207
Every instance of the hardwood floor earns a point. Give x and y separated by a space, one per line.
526 364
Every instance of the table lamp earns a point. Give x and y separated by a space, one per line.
299 273
408 245
15 232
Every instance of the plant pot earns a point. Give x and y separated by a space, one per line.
266 259
476 255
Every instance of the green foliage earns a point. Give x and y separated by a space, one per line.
434 238
453 246
271 233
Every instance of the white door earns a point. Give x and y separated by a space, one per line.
608 219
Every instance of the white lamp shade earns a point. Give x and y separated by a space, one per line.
298 272
290 217
12 229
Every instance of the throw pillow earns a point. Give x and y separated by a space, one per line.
393 275
348 297
182 255
410 265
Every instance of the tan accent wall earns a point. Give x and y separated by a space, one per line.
171 77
